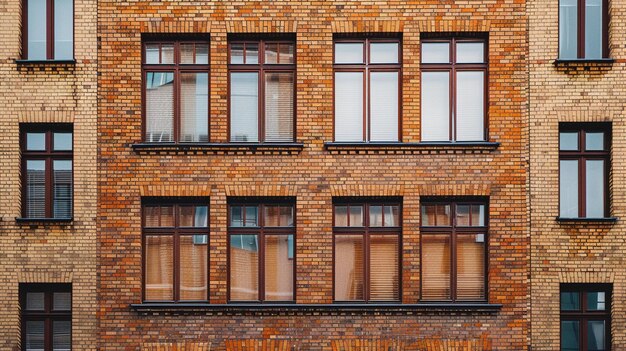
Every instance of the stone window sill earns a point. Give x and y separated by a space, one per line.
276 148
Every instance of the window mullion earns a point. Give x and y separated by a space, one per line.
261 98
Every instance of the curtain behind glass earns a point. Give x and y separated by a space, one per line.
194 109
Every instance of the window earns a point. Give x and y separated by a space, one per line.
262 90
367 89
367 250
261 238
583 29
454 89
48 29
176 254
46 317
584 163
585 317
176 91
46 171
454 237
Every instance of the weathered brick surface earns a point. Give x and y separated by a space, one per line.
313 175
47 253
573 252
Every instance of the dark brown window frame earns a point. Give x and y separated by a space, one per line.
583 315
175 232
581 155
366 68
261 68
580 35
452 67
260 231
48 315
177 68
452 231
49 30
49 156
366 231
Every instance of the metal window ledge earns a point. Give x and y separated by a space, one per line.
601 61
480 145
608 220
211 147
45 62
43 220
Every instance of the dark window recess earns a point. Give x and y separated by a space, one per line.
454 89
176 91
48 30
454 250
585 317
46 317
261 251
367 243
176 255
262 76
583 29
584 165
47 185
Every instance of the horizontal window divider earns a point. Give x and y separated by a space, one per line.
608 220
214 147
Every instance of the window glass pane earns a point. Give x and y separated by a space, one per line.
570 336
278 267
279 107
62 141
435 106
62 188
251 216
244 268
61 335
435 52
34 335
570 301
152 53
36 141
62 301
193 216
341 216
568 29
35 301
384 53
349 268
194 109
252 54
236 216
470 257
436 267
349 53
356 216
37 29
376 216
470 53
392 216
595 336
384 268
186 53
384 101
443 215
202 54
167 216
159 272
594 185
596 301
470 106
286 53
271 53
429 215
63 29
568 188
160 106
167 53
236 53
478 215
193 267
463 215
244 106
593 29
36 188
278 216
151 216
349 106
568 141
594 141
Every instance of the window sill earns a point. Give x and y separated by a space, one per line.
601 61
608 220
420 147
43 220
46 62
276 148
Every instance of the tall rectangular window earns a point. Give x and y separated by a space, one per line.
367 237
583 29
46 311
176 255
48 29
176 91
585 317
261 251
262 76
584 165
47 185
368 83
454 250
454 89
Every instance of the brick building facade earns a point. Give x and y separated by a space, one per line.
147 170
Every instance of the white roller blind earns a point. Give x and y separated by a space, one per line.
435 106
244 110
384 106
160 106
279 107
470 106
348 106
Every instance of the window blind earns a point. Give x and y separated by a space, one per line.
194 109
348 106
160 106
470 87
279 107
384 261
244 110
159 272
435 106
62 188
384 110
436 267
